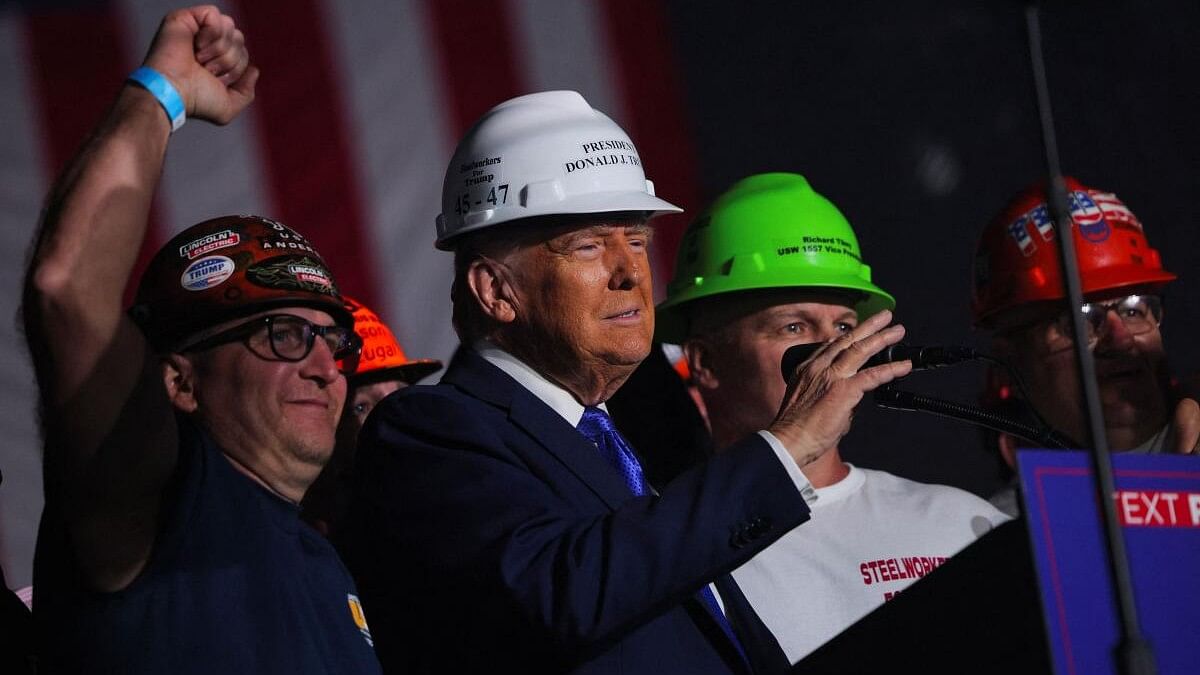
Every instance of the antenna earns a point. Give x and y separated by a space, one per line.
1133 653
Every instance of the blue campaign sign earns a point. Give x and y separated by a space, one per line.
1158 505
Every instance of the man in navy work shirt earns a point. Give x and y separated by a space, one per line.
501 524
180 437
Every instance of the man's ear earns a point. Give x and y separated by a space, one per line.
1008 449
699 355
179 378
490 286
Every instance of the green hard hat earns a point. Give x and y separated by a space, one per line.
771 230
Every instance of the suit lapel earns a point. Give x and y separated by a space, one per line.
475 376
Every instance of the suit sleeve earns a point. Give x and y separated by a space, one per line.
463 517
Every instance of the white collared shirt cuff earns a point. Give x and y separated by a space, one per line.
807 491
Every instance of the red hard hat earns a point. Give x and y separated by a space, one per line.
382 358
230 267
1017 260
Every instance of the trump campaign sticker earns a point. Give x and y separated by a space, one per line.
207 272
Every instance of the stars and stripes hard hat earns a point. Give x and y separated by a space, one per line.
1017 261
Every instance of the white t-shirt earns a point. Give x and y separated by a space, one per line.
871 535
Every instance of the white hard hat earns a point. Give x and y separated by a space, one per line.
542 154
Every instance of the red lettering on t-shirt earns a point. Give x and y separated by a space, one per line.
910 567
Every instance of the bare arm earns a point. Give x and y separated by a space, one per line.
110 432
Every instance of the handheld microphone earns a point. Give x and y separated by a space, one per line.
923 358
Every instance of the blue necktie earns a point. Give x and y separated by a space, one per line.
598 428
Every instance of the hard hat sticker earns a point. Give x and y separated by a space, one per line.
1040 218
281 236
206 273
1088 217
474 173
1090 211
600 154
497 195
374 353
286 241
598 146
292 273
207 244
1020 235
478 164
310 274
1115 211
811 245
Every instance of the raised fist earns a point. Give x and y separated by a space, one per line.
204 55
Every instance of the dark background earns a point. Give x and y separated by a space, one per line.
918 119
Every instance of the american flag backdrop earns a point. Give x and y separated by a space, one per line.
358 109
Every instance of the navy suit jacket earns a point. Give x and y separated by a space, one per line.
487 535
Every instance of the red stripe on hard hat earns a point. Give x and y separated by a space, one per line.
78 59
308 155
476 54
654 114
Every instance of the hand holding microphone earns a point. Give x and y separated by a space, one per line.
823 391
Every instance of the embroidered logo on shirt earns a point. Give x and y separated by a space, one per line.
360 618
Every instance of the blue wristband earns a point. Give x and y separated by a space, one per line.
162 89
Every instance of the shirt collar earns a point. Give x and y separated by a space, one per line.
560 400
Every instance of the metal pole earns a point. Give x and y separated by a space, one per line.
1133 653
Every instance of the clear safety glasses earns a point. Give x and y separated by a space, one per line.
1139 313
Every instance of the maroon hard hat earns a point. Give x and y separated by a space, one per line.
230 267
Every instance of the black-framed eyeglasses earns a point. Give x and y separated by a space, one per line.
291 339
1140 314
